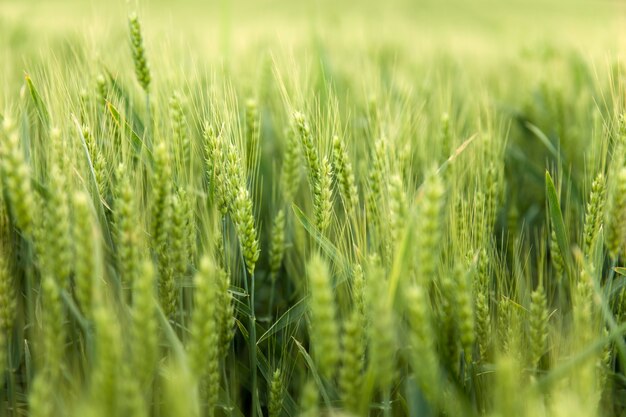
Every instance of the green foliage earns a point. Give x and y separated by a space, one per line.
460 237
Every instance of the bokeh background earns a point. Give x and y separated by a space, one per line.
531 60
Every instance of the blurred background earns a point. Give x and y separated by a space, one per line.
244 34
229 25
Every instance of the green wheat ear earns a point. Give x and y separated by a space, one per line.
16 177
97 161
376 183
41 397
595 211
246 231
86 253
421 338
253 131
397 207
538 325
319 172
483 324
324 330
556 256
216 168
345 175
323 197
616 218
204 345
180 397
225 309
290 170
381 341
309 400
162 224
55 239
127 230
465 312
179 128
430 228
102 89
7 316
275 404
352 361
142 71
53 328
105 377
178 247
132 401
144 348
277 248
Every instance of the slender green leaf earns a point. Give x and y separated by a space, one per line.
314 373
326 245
556 217
101 204
294 314
543 139
122 92
136 142
40 106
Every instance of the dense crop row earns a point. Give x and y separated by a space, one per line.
191 247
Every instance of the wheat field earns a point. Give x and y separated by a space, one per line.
318 208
